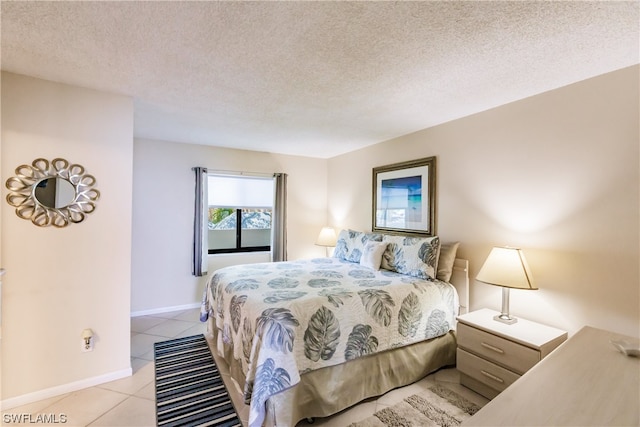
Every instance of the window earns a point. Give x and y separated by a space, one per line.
249 199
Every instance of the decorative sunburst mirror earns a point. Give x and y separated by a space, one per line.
53 193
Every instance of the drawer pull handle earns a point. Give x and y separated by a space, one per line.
493 377
491 347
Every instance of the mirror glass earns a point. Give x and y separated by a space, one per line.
54 193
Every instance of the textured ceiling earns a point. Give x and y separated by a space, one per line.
314 78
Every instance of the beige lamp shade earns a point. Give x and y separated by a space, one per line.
506 267
327 237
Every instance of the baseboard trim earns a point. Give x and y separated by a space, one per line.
25 399
164 309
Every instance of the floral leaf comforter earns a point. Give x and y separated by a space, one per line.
284 319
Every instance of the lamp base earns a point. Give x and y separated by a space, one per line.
505 318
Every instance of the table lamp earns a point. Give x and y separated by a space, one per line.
508 268
327 238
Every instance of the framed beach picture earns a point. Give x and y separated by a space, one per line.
404 197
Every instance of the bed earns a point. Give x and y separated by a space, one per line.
302 338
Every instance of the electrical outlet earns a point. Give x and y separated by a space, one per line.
85 348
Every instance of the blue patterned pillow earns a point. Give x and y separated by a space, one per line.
413 256
350 244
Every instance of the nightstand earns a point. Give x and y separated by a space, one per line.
492 355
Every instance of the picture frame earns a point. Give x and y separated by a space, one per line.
404 197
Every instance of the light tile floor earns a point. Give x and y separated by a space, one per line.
130 401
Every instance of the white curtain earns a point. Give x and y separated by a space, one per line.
200 224
279 219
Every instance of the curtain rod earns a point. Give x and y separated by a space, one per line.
241 173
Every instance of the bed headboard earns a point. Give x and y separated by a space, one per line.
460 279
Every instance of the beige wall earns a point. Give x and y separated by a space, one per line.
556 174
61 281
163 189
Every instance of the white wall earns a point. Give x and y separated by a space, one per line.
61 281
556 174
163 194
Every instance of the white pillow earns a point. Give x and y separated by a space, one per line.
372 254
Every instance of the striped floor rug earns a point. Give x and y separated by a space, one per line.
189 387
437 406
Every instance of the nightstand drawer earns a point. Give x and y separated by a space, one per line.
492 375
508 354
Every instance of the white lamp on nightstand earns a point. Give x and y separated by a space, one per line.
327 238
506 267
